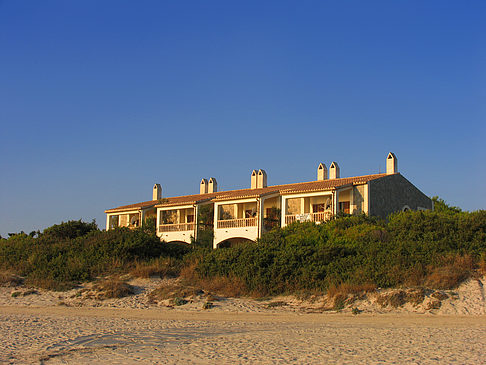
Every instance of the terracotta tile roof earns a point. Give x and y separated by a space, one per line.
245 193
186 199
303 187
147 204
327 184
296 187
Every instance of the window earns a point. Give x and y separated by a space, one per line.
190 218
169 217
249 213
113 221
344 207
318 208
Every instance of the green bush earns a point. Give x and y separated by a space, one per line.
406 249
61 256
440 248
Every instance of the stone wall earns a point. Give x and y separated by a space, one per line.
394 193
358 199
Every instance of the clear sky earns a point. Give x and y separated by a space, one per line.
101 99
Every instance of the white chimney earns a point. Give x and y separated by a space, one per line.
334 172
391 164
261 179
321 172
203 187
254 174
157 192
213 185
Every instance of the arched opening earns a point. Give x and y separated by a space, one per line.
178 243
233 242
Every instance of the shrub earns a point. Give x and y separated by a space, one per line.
70 229
8 278
395 299
347 255
346 288
278 303
162 266
179 301
53 261
113 288
174 291
208 305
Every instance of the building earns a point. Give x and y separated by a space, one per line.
245 214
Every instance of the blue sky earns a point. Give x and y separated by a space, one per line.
101 99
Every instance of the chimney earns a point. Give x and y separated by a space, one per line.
254 179
334 172
321 172
203 187
391 164
213 185
261 179
157 192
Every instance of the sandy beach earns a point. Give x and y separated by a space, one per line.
57 335
63 328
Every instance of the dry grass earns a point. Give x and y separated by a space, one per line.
447 277
275 304
174 291
9 279
395 299
414 276
439 295
221 285
49 284
451 274
112 288
398 298
482 266
346 293
344 289
415 296
433 304
163 267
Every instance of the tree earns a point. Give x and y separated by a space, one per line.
442 207
70 229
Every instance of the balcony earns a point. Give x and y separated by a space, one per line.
176 227
237 223
308 217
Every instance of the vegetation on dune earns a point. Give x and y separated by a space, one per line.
70 252
411 248
350 254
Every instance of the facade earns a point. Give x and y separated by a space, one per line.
245 214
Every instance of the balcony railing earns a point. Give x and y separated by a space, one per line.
308 217
237 223
176 227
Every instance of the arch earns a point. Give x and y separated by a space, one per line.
406 208
178 242
233 242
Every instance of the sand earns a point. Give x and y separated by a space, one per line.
35 329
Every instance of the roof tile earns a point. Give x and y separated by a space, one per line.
303 187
